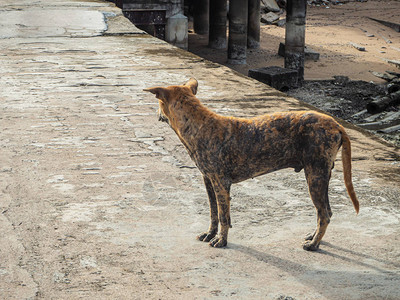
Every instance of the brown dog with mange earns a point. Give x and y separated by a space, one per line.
229 150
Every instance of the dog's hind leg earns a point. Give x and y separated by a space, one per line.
213 229
318 181
310 236
221 189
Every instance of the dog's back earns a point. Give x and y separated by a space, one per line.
245 148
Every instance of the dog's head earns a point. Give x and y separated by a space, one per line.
168 95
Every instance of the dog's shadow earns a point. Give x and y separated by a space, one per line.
358 270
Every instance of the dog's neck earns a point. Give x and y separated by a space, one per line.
188 117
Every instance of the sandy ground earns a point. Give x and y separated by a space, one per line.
329 32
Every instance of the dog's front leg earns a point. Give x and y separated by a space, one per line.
221 189
213 229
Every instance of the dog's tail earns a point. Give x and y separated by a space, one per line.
346 159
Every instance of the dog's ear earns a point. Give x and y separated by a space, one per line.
160 92
193 84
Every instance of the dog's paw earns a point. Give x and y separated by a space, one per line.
309 236
309 246
206 236
218 242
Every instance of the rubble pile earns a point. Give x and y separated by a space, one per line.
382 114
271 12
374 107
326 3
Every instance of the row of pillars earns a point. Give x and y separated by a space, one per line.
210 16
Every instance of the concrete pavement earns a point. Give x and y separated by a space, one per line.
99 200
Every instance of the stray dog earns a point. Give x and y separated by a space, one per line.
229 150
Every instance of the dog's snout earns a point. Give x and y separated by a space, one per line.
162 117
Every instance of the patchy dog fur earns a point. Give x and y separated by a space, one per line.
229 150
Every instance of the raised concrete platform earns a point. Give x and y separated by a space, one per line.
100 200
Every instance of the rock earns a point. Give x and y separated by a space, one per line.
326 3
394 62
281 23
393 87
358 47
308 52
269 18
341 80
281 3
384 76
269 6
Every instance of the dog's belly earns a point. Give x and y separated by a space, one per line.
239 159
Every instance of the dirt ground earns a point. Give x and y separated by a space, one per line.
330 31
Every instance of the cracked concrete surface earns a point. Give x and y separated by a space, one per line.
100 200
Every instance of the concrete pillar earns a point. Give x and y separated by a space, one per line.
237 42
218 18
295 36
253 27
176 31
119 3
201 16
176 7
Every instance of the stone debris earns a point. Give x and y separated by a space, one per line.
394 62
269 6
374 107
384 76
357 46
385 108
381 103
269 18
388 41
271 12
326 3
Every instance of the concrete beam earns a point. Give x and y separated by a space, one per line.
279 78
218 19
237 42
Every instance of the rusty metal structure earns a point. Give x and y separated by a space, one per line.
152 21
154 16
